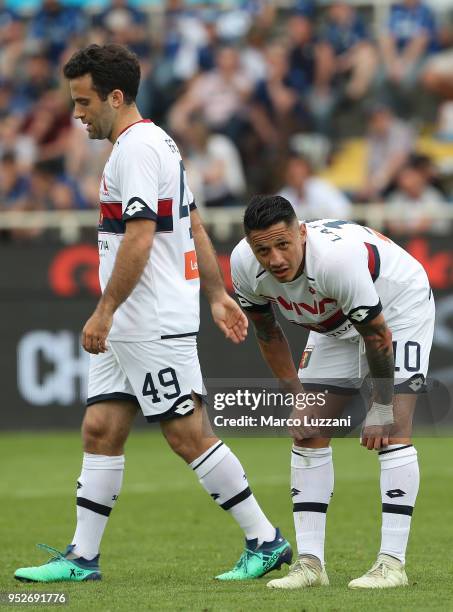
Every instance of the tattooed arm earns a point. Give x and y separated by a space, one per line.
379 351
277 354
274 347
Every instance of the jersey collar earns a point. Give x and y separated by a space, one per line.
135 123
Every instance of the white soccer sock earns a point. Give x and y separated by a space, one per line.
400 480
311 489
222 476
98 488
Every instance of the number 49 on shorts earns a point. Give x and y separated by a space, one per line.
167 379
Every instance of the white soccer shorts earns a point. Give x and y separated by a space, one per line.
341 365
158 375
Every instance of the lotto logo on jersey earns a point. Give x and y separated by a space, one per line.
134 207
360 314
191 265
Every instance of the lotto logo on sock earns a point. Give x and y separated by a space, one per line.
395 493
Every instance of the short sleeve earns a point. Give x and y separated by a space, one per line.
247 297
138 173
188 195
349 280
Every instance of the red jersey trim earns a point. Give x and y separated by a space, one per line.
135 123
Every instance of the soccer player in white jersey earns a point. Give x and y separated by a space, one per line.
369 308
142 334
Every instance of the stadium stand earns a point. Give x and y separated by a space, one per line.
243 86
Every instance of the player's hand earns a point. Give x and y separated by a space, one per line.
373 441
229 318
95 332
304 415
305 429
376 428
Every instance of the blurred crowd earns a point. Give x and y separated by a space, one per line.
252 95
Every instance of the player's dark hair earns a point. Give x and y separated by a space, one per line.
111 67
264 211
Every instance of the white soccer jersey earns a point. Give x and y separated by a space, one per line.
144 178
351 273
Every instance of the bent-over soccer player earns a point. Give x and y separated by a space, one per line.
370 310
142 334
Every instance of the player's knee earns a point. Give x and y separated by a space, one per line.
311 442
400 440
187 446
180 444
95 435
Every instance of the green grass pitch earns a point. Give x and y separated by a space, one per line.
166 539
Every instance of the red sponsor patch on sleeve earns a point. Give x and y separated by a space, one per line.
191 265
305 357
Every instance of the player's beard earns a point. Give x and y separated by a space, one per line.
92 134
102 129
99 132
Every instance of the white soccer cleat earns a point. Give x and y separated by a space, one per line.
386 573
305 572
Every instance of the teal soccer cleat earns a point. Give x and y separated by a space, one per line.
258 561
59 568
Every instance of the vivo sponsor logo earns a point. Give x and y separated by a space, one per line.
315 308
52 368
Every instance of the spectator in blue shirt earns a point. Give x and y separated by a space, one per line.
14 185
12 41
411 36
312 68
7 18
305 8
127 25
276 110
302 52
344 28
54 26
38 76
349 49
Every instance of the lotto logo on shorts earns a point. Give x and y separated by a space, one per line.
185 407
191 265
